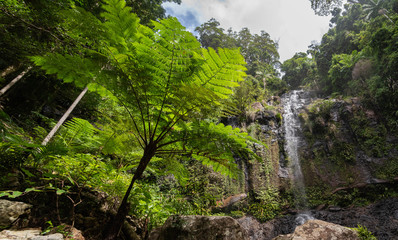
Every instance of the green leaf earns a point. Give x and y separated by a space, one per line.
27 172
15 194
60 191
4 194
30 190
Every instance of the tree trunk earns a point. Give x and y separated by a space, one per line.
64 117
8 70
114 226
15 80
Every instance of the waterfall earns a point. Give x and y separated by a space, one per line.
293 102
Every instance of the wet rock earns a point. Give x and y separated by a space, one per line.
321 207
10 211
379 218
317 229
334 209
283 172
199 228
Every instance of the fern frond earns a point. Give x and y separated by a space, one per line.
77 128
70 68
216 144
83 27
120 22
221 71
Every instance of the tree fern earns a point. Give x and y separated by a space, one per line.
164 81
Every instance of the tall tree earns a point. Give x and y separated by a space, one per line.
165 82
297 70
213 36
374 8
14 81
324 7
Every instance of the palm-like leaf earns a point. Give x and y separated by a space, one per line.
78 128
221 72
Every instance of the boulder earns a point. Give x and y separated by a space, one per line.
199 228
75 234
10 211
28 234
317 229
268 230
231 203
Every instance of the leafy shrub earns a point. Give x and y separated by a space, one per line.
11 156
364 233
268 207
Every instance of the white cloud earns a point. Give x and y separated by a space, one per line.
292 22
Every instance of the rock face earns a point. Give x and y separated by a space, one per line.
199 228
10 211
264 124
317 229
348 145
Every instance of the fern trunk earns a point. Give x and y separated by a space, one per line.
64 117
115 225
15 80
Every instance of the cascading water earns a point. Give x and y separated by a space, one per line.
293 102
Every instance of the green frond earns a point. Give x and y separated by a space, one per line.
167 52
70 68
175 167
83 26
221 71
77 128
216 145
120 22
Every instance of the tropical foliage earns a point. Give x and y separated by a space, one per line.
262 58
151 131
164 81
357 56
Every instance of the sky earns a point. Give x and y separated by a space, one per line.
292 23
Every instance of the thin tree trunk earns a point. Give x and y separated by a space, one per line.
64 117
114 226
15 80
8 70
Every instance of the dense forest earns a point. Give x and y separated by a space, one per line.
114 117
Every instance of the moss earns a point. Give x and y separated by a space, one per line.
371 136
321 108
360 197
388 170
343 152
279 118
254 130
317 195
